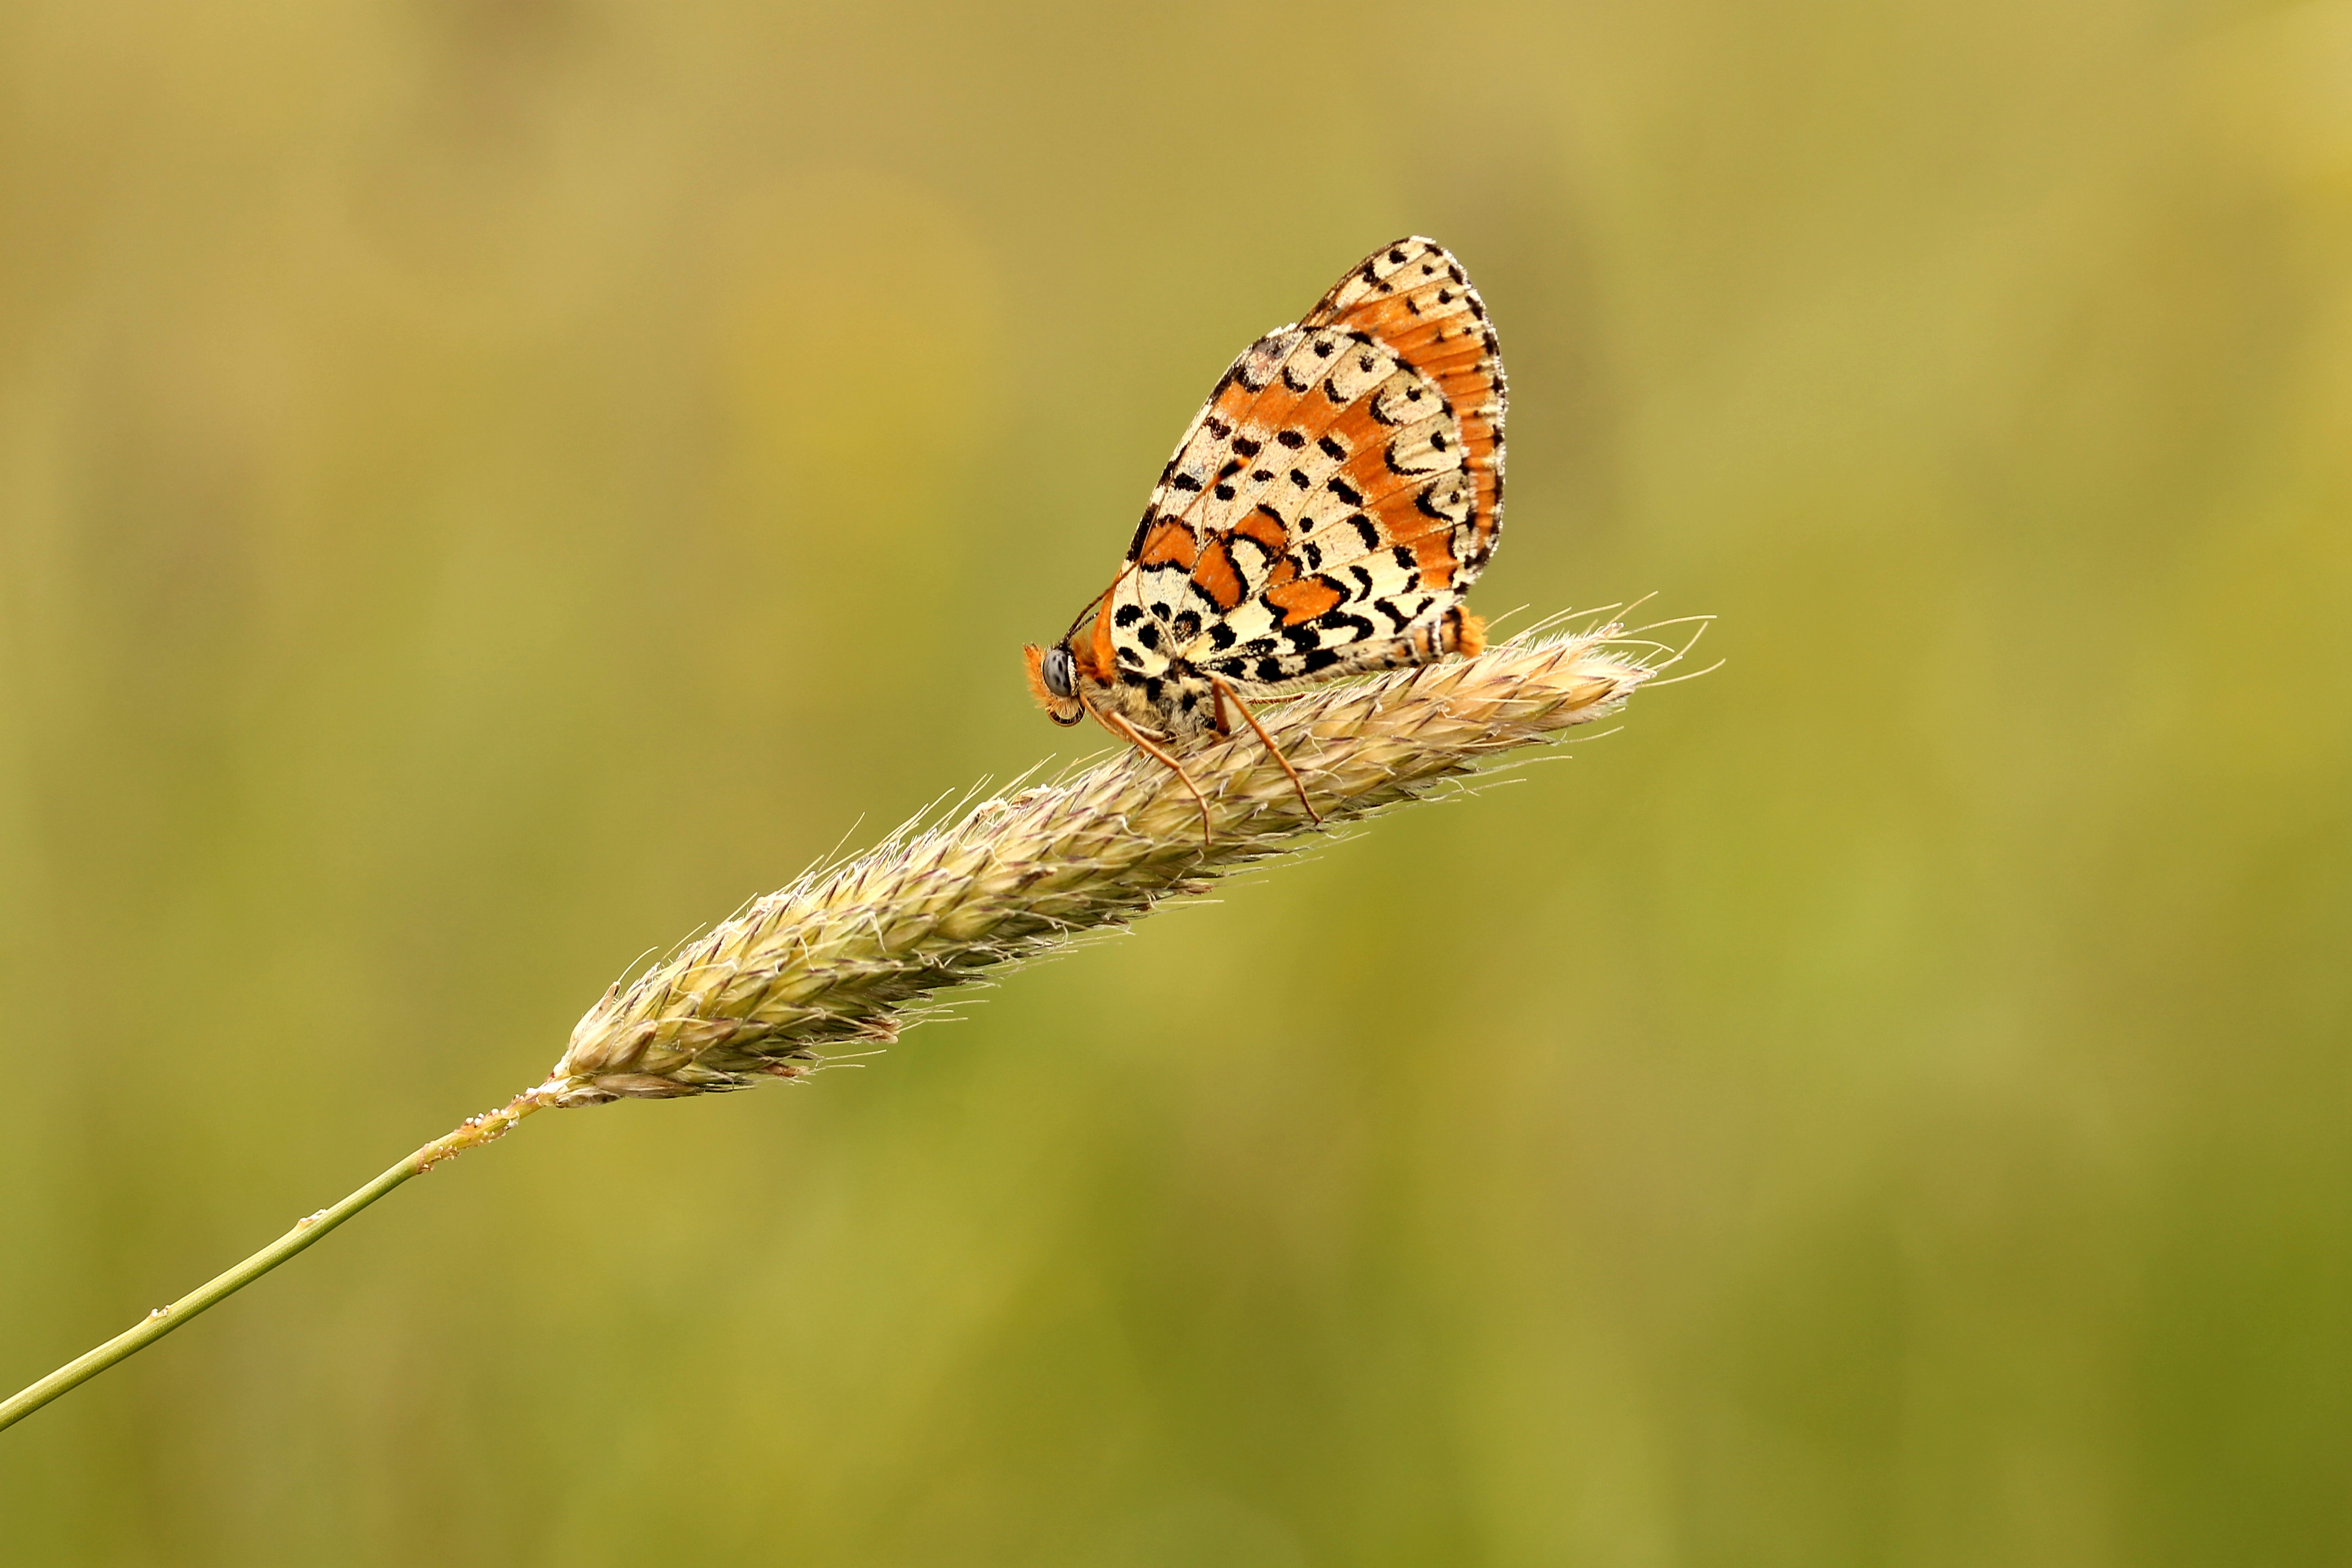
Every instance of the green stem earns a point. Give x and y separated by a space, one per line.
475 1131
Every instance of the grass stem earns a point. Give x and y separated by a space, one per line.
475 1131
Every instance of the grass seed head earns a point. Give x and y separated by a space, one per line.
848 956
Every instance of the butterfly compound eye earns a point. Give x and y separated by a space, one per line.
1052 681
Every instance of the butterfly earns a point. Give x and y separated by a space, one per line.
1323 516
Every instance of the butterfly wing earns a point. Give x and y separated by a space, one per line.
1338 494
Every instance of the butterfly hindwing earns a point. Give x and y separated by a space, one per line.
1337 493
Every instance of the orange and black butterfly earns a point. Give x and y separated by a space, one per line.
1323 516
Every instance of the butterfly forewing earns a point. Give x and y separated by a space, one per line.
1337 495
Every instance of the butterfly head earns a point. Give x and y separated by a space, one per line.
1077 670
1054 679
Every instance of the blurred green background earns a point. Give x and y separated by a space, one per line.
485 487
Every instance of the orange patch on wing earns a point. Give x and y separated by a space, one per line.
1272 408
1429 346
1168 541
1362 435
1367 467
1263 530
1383 316
1402 521
1465 391
1304 599
1383 492
1233 403
1216 576
1439 341
1433 555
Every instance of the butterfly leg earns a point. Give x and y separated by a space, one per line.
1227 694
1118 726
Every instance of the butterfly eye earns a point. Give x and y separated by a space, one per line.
1056 671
